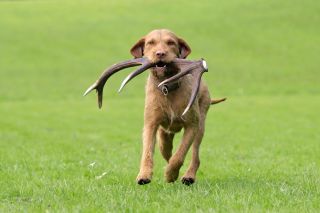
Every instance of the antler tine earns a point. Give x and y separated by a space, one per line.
99 84
134 74
195 88
186 67
179 75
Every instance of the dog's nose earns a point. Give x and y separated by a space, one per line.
160 54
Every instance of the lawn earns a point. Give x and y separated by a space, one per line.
60 153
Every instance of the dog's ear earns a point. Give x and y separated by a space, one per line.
184 49
137 49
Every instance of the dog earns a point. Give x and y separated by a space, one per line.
162 112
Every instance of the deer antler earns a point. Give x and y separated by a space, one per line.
195 68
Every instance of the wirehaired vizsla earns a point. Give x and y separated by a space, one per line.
168 108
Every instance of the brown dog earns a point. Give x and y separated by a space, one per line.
162 112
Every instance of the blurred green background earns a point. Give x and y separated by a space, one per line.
261 148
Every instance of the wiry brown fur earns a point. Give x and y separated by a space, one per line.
162 115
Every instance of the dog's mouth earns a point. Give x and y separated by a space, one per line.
160 67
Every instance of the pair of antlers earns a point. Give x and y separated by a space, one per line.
194 67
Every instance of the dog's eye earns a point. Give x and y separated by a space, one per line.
170 43
151 42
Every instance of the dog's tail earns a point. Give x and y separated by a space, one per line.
216 101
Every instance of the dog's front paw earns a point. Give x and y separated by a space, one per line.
143 181
187 180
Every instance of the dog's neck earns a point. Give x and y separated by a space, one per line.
158 77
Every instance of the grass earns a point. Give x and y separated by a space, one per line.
59 153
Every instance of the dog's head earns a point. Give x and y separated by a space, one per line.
161 47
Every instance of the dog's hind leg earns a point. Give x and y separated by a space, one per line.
165 143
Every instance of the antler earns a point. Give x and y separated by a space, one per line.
195 68
99 84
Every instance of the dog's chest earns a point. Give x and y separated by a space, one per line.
172 124
172 120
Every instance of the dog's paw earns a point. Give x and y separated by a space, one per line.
171 175
143 181
187 180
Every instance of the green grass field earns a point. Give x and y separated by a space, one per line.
59 153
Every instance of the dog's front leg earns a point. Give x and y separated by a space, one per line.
149 139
